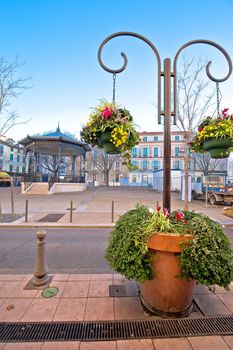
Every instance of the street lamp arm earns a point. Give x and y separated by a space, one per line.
122 68
122 53
212 43
210 76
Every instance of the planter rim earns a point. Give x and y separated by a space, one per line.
167 241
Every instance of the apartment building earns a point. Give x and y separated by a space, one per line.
148 156
12 157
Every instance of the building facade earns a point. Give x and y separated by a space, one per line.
12 157
147 156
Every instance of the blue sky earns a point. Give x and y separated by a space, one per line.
59 41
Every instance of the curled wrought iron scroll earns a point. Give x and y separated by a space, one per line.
173 74
122 68
210 76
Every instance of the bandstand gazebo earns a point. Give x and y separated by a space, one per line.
56 146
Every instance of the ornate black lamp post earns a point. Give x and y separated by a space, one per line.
167 109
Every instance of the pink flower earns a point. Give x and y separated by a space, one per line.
180 216
166 212
107 112
224 112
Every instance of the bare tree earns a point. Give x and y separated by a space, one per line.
194 100
52 163
104 163
11 87
205 163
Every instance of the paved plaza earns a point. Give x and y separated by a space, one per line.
85 297
93 207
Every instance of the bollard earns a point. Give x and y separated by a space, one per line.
26 210
12 199
71 211
112 211
41 276
0 209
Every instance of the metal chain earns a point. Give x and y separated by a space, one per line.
218 100
114 88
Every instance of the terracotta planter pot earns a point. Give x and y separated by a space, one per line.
106 144
166 295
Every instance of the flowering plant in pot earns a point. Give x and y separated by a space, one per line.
215 135
167 254
111 127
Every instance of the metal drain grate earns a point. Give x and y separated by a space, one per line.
51 218
117 291
107 330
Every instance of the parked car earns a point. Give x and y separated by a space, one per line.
5 179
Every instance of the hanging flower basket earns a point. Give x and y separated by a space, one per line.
105 143
218 148
215 135
111 128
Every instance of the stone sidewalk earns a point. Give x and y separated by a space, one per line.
86 298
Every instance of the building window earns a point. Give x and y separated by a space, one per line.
177 151
145 164
12 149
177 165
134 178
144 139
156 151
11 156
11 168
135 163
177 138
94 164
145 152
1 150
156 164
134 152
117 166
145 179
23 169
18 158
156 138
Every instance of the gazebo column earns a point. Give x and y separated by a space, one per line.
73 167
27 161
84 167
34 160
59 162
80 168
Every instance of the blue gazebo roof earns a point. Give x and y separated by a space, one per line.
55 143
58 133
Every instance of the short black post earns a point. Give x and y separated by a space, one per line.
71 211
26 210
112 211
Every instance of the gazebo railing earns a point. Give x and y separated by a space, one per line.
28 179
